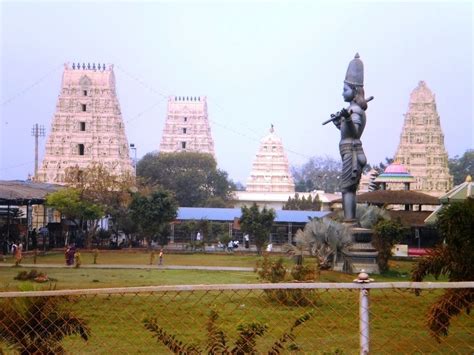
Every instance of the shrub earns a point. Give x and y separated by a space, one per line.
386 234
38 325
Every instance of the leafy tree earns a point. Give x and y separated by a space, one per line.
454 258
113 193
257 223
193 177
319 173
152 212
69 203
302 204
460 167
386 234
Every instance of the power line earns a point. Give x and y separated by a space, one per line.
29 87
152 89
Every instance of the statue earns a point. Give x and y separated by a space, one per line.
351 122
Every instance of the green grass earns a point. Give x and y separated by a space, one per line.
143 258
116 321
397 321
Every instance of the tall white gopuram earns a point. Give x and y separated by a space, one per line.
87 126
187 127
421 149
270 170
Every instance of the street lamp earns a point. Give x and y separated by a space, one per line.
132 147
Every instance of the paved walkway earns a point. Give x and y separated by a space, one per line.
134 267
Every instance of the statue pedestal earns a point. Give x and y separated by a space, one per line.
361 255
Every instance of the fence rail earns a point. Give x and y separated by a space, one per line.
326 318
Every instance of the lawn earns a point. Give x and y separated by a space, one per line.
116 321
143 258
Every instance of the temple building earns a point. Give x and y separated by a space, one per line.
87 126
270 182
421 149
187 127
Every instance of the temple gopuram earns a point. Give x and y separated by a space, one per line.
421 149
187 127
87 126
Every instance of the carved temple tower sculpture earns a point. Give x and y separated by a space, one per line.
270 170
87 126
187 127
421 149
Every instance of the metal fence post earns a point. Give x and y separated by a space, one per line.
364 325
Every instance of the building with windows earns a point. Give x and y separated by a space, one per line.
87 126
187 127
421 149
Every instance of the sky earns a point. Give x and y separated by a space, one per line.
259 63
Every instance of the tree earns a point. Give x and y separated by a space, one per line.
193 177
302 204
319 173
454 258
92 193
386 234
257 223
461 167
152 212
69 203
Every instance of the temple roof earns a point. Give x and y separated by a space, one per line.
18 192
397 197
395 173
460 192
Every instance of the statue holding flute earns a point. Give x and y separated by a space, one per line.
351 123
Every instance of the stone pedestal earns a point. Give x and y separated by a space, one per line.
361 255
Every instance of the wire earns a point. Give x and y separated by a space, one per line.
26 89
215 103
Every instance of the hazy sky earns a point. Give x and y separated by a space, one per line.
257 62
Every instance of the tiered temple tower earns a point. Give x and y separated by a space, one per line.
87 126
270 170
421 149
187 127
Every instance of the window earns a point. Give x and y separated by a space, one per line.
185 119
183 145
81 149
82 126
84 92
83 107
184 130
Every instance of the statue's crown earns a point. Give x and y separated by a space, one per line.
355 72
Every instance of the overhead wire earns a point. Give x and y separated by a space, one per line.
216 104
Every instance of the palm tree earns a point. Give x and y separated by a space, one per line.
454 258
38 325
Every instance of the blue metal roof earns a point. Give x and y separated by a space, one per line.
229 214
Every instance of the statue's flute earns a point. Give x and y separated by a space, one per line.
343 112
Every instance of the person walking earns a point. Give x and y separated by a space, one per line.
160 257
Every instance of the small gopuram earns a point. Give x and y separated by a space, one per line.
187 127
87 126
270 182
270 170
421 147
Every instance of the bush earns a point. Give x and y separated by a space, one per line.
275 272
386 234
